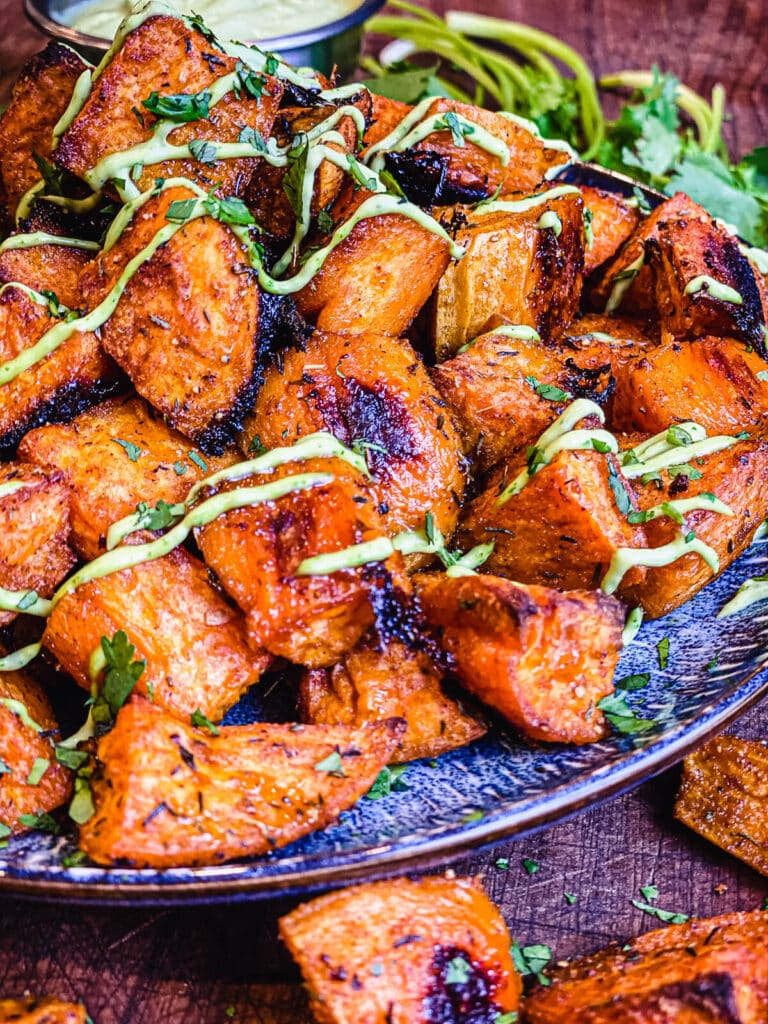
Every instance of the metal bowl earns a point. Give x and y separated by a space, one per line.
336 44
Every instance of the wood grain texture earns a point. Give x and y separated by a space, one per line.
169 966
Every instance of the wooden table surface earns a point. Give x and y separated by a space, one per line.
219 964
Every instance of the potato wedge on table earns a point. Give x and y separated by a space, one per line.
612 220
46 1010
32 782
192 639
514 268
386 680
381 953
114 457
541 658
707 971
34 530
165 57
723 795
168 794
371 390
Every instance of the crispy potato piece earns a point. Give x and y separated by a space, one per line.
54 268
165 55
192 640
515 269
703 972
404 259
382 681
45 1010
715 382
492 388
379 953
624 337
34 530
541 658
105 483
20 747
722 796
386 114
739 477
374 389
76 375
40 97
171 795
613 221
560 531
185 330
255 551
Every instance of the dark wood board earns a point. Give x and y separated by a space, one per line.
193 965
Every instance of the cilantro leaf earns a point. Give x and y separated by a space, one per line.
388 781
203 151
121 674
293 179
404 82
131 450
199 719
667 916
620 492
179 107
621 716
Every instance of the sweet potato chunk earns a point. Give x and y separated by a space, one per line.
404 259
379 953
192 640
22 751
715 382
613 221
165 55
40 97
105 483
723 797
47 268
541 658
172 795
738 476
497 388
77 374
513 268
34 530
372 389
703 972
46 1010
185 329
561 530
383 681
255 551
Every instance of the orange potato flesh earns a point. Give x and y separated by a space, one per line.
372 389
371 684
105 483
542 658
54 268
378 953
170 794
46 1010
20 748
613 221
164 55
706 971
255 552
34 531
192 640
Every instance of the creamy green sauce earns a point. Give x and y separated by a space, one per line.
549 219
621 284
751 591
528 202
716 289
625 559
22 712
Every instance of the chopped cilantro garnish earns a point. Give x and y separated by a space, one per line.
548 391
531 960
133 451
621 716
649 892
388 781
502 863
203 151
570 898
38 770
179 107
458 972
473 816
636 681
662 648
198 461
667 916
531 866
332 764
40 823
620 492
199 719
121 674
179 468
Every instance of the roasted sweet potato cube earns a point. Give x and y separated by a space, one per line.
165 55
376 681
371 389
46 1010
723 795
716 382
386 115
380 952
506 392
47 268
515 269
193 640
561 530
40 97
185 330
404 259
172 795
541 658
706 971
737 476
106 483
255 552
77 374
613 220
34 530
28 786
